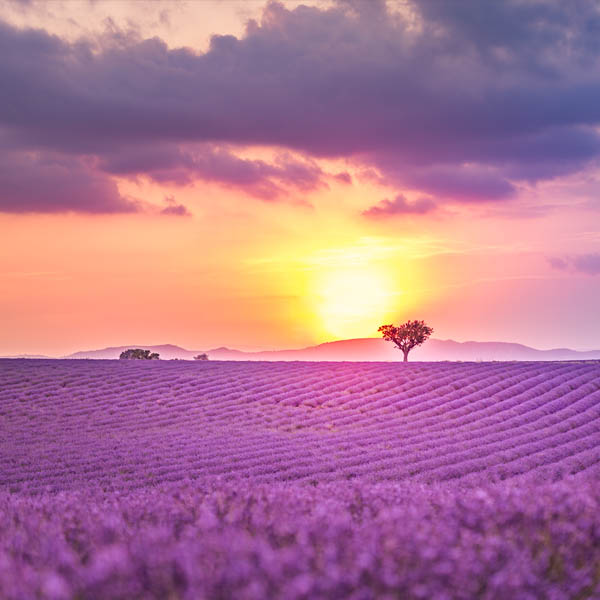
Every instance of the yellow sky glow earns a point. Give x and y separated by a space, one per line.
351 303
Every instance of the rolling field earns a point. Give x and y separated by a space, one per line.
171 479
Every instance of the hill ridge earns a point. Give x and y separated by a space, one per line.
363 349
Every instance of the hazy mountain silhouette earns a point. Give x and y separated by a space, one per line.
27 356
168 351
364 349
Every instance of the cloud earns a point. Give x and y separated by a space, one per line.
172 164
51 184
462 183
178 210
558 263
461 100
343 177
20 3
587 263
400 206
174 209
583 263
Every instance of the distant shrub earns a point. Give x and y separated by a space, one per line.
138 354
202 356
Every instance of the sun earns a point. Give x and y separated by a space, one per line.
353 302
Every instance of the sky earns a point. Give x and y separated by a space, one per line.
265 175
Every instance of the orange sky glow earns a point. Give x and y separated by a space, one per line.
306 266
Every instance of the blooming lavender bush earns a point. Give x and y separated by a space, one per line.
123 479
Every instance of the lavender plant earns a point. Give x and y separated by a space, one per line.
124 479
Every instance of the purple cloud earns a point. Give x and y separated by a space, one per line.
583 263
451 107
171 164
174 209
343 177
462 183
400 206
558 263
48 184
587 263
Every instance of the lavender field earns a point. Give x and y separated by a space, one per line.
172 479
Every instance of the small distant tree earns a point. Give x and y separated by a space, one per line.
138 354
406 336
202 356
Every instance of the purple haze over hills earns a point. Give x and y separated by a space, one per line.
363 349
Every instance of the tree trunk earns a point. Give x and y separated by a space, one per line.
406 355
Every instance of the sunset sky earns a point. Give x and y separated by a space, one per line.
265 175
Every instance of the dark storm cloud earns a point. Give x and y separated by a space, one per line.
400 206
471 100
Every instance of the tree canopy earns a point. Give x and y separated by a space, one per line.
138 354
406 336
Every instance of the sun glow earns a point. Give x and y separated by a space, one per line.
353 302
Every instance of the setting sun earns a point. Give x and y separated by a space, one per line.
353 302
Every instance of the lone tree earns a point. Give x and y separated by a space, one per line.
202 356
138 354
407 336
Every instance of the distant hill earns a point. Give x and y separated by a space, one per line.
364 349
27 356
168 351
